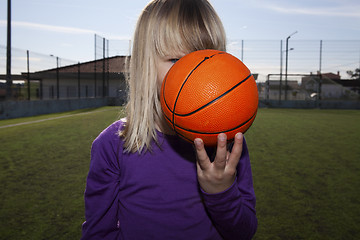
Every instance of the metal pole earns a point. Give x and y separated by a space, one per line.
107 49
268 88
320 77
286 64
79 93
320 56
28 73
319 90
95 47
95 70
281 64
8 53
57 79
107 71
103 72
359 66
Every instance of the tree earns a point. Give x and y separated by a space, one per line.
354 74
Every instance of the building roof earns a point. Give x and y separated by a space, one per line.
349 82
116 64
331 76
326 78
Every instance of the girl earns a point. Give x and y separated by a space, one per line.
145 182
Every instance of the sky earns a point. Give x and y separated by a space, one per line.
66 28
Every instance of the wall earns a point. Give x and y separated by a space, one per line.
16 109
310 104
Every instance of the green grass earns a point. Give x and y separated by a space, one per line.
43 168
7 122
306 170
306 166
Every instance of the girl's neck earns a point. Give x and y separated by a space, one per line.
164 128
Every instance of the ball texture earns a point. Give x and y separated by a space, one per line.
208 92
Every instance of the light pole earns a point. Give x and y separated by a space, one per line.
286 64
281 57
281 68
8 54
57 77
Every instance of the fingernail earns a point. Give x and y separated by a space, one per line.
239 135
222 137
197 142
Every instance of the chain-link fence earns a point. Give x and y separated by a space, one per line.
280 67
24 63
38 76
304 56
302 69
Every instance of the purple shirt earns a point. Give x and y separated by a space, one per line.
156 195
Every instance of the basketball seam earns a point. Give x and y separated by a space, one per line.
208 133
182 86
214 100
214 133
164 99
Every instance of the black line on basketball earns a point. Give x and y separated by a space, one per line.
190 140
166 104
225 131
214 100
182 86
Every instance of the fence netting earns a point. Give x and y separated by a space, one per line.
299 70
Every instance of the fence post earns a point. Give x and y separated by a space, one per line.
28 73
8 54
79 90
320 78
281 64
268 89
318 98
320 62
95 70
103 70
107 71
57 79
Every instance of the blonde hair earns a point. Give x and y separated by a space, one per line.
165 28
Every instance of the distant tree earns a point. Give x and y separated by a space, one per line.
354 74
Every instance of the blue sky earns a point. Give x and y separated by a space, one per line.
66 28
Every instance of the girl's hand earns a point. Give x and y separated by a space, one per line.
219 175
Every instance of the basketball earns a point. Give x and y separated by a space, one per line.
208 92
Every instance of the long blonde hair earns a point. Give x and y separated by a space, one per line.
164 28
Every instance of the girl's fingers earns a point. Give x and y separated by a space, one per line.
236 151
221 151
223 158
203 160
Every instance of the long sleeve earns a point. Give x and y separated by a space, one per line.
102 187
233 211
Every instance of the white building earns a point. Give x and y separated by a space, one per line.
100 78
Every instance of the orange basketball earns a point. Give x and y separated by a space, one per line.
209 92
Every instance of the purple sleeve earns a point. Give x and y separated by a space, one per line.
101 193
233 211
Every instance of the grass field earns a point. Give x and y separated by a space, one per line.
306 169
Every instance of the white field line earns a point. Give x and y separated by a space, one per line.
53 118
